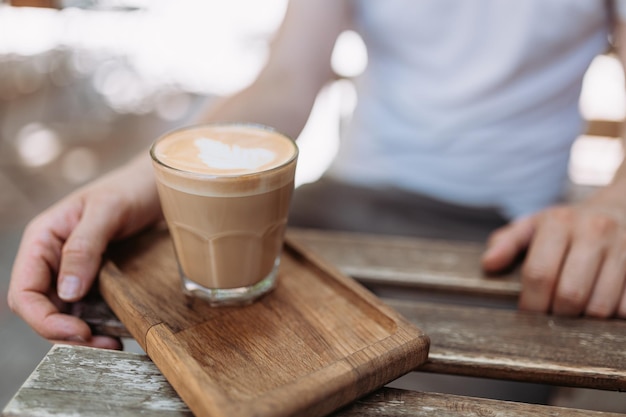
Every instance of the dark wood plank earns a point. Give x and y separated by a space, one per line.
83 382
494 343
473 341
389 402
409 262
507 344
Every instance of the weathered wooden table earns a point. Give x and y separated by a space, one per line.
473 330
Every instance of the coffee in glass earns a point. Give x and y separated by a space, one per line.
225 191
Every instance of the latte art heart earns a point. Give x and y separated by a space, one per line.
219 155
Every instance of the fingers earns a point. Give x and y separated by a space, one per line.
577 278
609 294
61 250
44 317
542 266
35 265
593 275
506 243
621 310
576 264
83 249
68 239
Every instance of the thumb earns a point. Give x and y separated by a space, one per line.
83 249
506 243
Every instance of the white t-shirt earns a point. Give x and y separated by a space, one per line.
471 101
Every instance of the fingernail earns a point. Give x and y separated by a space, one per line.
69 287
78 339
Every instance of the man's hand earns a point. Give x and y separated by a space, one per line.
61 250
576 259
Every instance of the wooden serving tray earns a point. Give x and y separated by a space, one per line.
317 342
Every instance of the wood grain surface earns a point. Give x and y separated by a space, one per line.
477 341
494 343
74 381
317 342
409 262
79 381
473 341
508 344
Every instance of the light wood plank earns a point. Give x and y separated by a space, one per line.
75 381
86 382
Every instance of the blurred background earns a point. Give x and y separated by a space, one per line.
87 84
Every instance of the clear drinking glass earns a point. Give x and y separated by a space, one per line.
225 190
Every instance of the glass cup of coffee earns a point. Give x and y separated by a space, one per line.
225 191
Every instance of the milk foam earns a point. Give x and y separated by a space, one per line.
224 160
219 155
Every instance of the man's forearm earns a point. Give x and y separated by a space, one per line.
263 103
